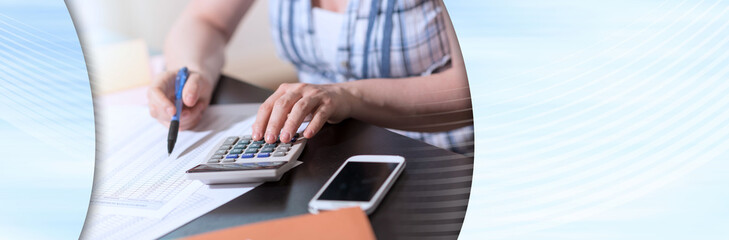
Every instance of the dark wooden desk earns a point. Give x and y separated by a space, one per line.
428 201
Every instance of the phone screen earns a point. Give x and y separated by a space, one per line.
358 181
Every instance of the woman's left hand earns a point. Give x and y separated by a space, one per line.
284 111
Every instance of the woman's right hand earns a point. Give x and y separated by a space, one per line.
196 96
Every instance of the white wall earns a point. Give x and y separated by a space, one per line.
250 55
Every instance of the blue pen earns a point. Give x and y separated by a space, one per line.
175 122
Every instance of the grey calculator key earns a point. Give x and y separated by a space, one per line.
229 160
218 156
259 142
220 152
285 145
225 147
214 160
282 149
246 137
279 154
231 140
251 150
266 150
254 145
244 142
271 145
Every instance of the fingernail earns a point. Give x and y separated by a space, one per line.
285 137
270 138
256 136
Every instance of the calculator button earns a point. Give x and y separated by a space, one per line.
229 160
247 155
285 145
264 155
249 165
265 164
239 147
282 149
234 156
231 140
259 142
254 145
220 152
225 147
266 150
236 151
246 137
271 145
218 156
252 150
244 142
279 154
214 160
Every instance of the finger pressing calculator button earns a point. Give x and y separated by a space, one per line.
220 152
264 155
279 154
247 155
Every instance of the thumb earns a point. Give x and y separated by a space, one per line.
191 90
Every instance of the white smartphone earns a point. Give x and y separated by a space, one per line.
362 181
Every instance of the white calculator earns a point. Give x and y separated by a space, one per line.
239 159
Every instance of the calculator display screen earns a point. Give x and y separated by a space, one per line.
358 181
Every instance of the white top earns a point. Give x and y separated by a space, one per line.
327 28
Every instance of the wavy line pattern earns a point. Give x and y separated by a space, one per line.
46 116
582 107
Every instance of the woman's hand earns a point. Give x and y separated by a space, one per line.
195 98
284 111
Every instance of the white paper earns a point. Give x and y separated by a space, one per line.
139 191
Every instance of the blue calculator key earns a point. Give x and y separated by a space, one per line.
247 155
232 156
264 155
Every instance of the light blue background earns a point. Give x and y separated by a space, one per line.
598 119
46 123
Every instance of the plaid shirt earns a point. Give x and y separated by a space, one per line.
379 39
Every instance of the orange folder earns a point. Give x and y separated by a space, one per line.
348 223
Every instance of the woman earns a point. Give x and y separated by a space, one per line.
391 63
